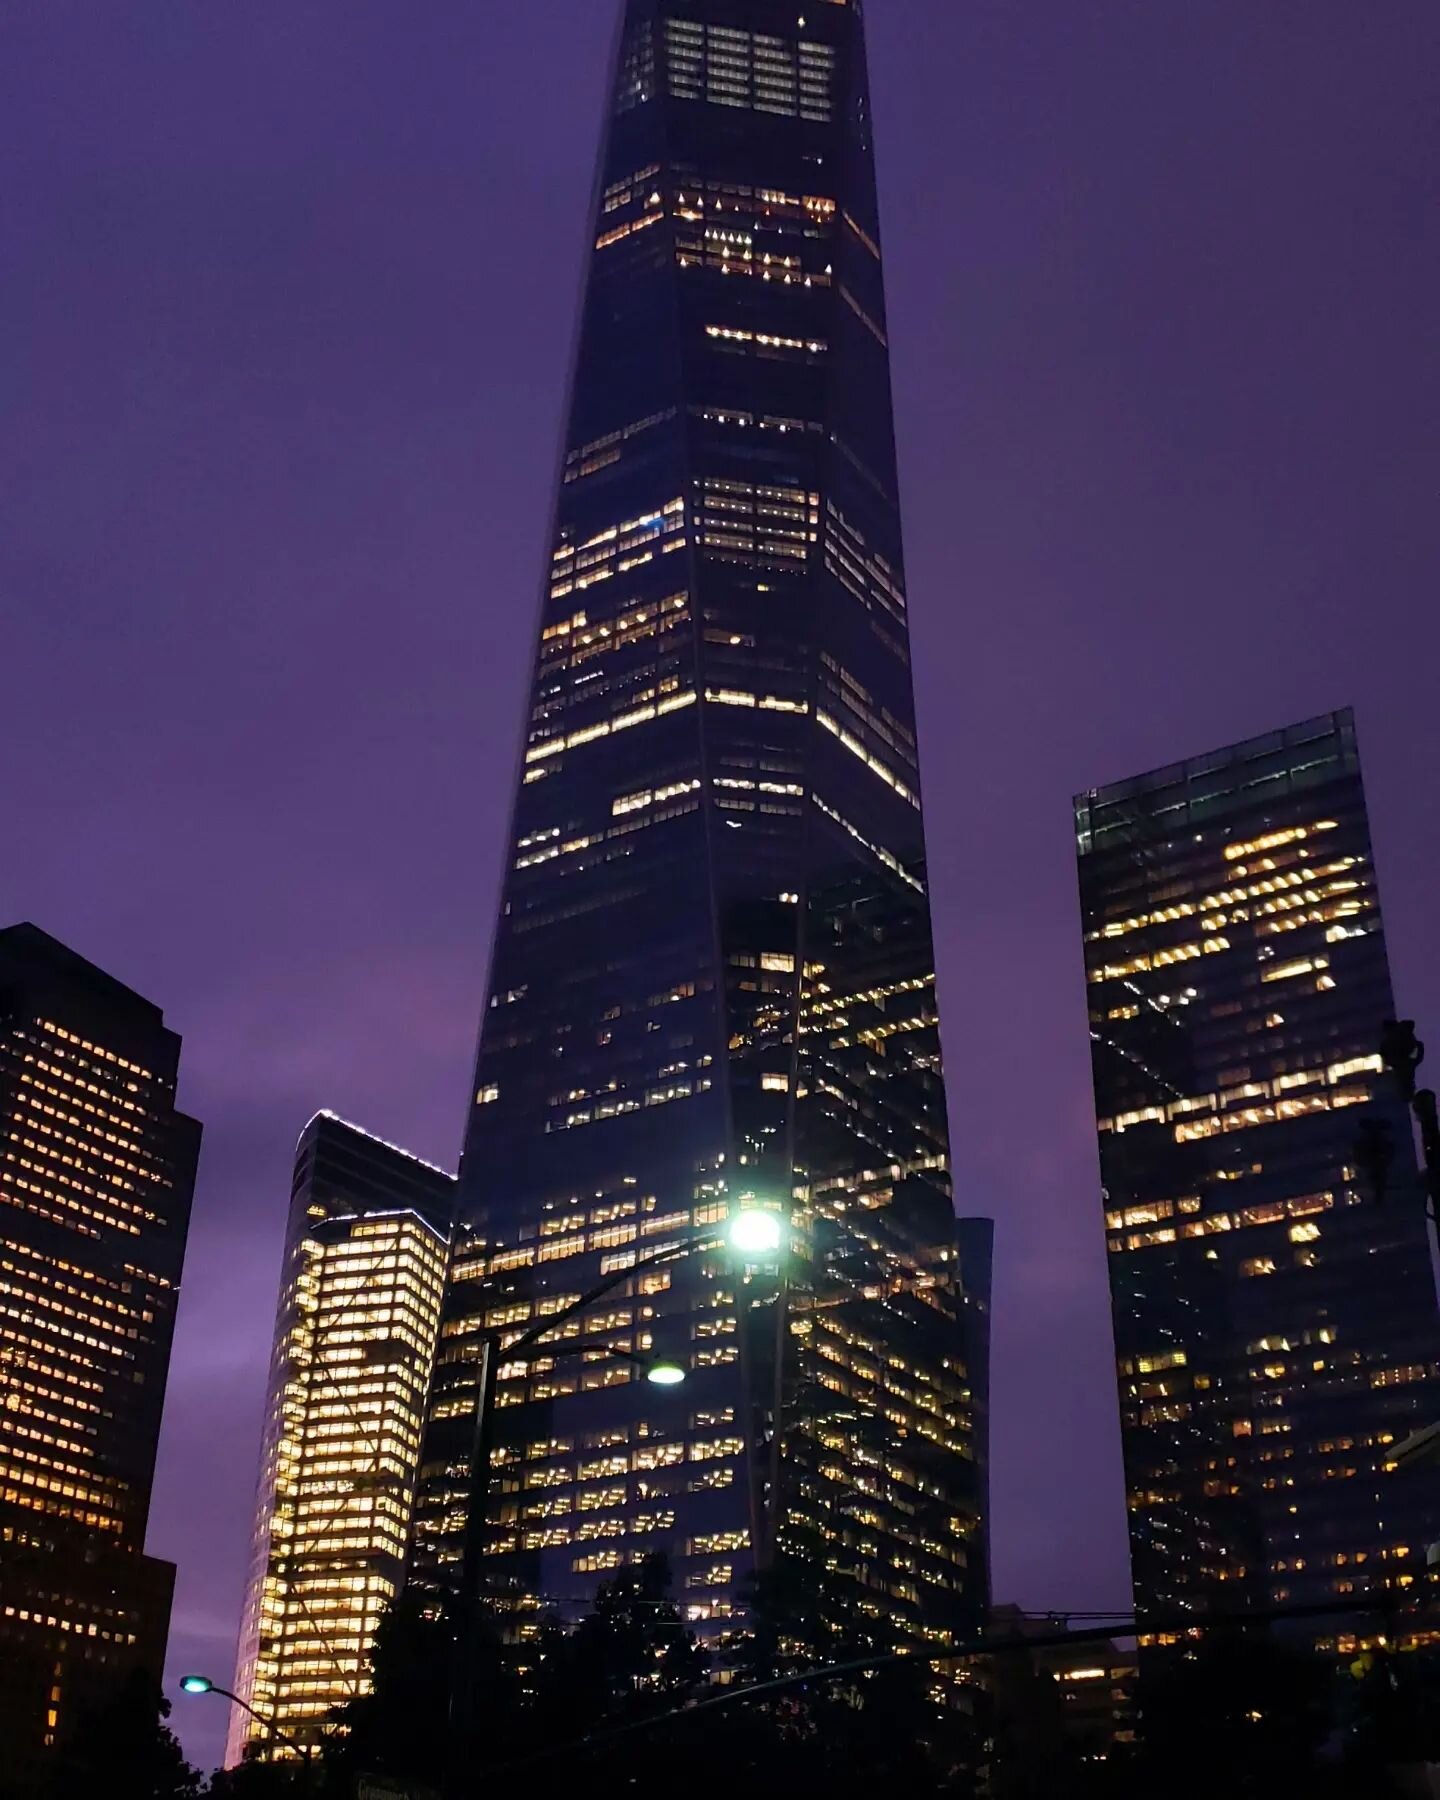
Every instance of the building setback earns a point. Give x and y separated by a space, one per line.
712 983
1275 1316
97 1171
361 1283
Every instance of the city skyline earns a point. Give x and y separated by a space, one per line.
1123 459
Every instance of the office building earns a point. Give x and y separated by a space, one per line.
362 1276
713 982
97 1169
1098 1689
1055 1708
1275 1313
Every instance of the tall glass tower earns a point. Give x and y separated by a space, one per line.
1275 1318
713 981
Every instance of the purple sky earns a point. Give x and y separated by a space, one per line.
286 293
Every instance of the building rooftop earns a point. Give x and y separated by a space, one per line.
1292 744
28 943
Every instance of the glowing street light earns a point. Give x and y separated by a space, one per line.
202 1684
755 1232
665 1374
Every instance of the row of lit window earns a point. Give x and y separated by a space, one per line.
96 1050
1183 909
1333 1074
120 1130
65 1175
571 643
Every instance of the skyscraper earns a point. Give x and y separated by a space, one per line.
1275 1317
97 1170
713 981
361 1281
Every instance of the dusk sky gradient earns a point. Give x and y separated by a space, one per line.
287 290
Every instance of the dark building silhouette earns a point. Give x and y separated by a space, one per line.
1057 1711
361 1279
1275 1315
713 980
97 1170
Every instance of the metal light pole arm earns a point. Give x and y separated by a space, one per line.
579 1347
465 1657
616 1278
271 1726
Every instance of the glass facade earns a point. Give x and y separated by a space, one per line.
97 1171
1275 1315
713 981
355 1327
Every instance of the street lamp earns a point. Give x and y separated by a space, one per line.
1402 1053
755 1231
202 1684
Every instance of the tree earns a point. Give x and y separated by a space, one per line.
1245 1714
258 1778
124 1750
1390 1713
630 1660
907 1724
401 1727
615 1704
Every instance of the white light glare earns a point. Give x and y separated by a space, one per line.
755 1231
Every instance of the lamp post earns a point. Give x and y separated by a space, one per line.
753 1233
202 1684
1402 1053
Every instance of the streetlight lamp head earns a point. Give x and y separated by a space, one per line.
665 1374
755 1231
196 1684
